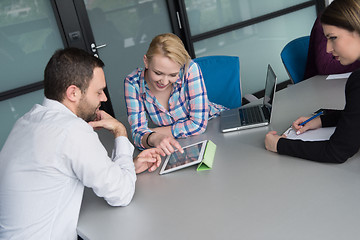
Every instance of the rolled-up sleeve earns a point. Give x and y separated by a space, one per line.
111 178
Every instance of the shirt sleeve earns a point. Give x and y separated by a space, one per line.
344 142
330 118
198 105
111 178
136 111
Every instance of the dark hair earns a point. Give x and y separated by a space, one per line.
343 14
69 66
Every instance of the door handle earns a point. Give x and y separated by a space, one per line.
94 47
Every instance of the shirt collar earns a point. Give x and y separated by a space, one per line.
180 81
143 89
53 104
142 82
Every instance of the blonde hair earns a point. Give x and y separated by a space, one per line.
171 46
343 14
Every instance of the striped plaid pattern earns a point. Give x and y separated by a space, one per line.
189 108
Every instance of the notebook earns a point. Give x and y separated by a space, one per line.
318 134
254 115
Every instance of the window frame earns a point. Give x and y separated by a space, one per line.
181 26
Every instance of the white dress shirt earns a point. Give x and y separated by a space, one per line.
48 158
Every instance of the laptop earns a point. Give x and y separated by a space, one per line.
254 115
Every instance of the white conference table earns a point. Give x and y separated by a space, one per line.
250 193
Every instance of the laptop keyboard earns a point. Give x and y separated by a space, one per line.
250 115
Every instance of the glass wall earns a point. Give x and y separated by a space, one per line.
257 45
127 28
28 37
206 15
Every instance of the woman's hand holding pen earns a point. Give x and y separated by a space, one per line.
300 125
301 128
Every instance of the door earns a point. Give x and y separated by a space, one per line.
123 31
117 31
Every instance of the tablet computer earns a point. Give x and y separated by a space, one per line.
193 154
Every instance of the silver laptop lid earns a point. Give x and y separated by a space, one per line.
270 87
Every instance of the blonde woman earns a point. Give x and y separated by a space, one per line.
341 25
171 91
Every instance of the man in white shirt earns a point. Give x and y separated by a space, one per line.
53 152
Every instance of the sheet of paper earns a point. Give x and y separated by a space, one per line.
311 135
338 76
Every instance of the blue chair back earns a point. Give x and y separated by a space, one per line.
294 57
222 79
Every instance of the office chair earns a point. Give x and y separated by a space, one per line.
294 57
222 79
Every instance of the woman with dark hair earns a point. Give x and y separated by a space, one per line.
320 62
341 25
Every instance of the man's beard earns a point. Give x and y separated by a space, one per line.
86 111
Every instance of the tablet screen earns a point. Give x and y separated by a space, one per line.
193 154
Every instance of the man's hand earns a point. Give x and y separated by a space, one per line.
105 120
148 159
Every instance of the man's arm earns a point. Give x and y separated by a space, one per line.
146 160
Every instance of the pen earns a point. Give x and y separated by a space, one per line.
308 120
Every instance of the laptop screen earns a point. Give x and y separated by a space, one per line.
269 88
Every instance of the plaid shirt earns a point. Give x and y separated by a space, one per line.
189 107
